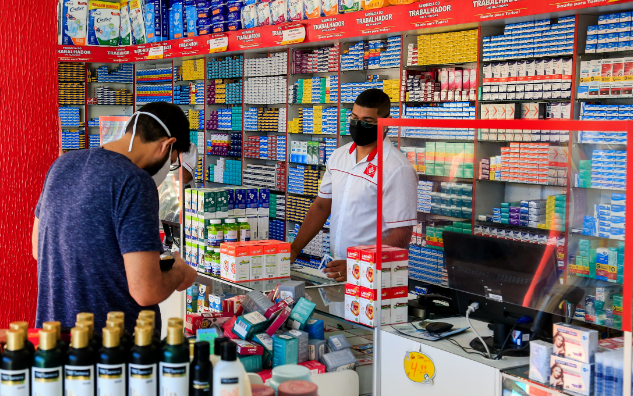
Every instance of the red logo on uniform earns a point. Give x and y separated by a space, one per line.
370 170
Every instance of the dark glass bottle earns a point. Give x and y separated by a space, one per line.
142 366
174 364
201 371
24 328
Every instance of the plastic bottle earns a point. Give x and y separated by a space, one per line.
149 322
201 370
48 366
14 365
230 230
111 367
92 341
245 229
147 314
172 322
57 327
228 374
216 263
125 338
24 328
174 364
90 317
142 374
79 376
608 365
208 260
599 375
217 349
216 233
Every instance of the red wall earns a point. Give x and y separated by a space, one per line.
29 137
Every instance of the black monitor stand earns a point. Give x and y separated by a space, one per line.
495 342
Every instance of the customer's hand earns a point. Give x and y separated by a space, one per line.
189 273
293 253
337 270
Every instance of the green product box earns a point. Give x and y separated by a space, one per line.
585 165
468 229
222 197
208 205
505 205
252 363
448 168
451 229
430 168
505 221
430 232
560 197
249 324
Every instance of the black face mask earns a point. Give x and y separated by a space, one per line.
361 134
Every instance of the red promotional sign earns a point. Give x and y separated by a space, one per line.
293 34
388 20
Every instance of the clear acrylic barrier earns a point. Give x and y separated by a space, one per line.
112 128
523 217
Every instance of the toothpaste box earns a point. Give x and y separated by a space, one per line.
571 375
575 342
352 303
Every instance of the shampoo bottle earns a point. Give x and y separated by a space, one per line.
92 341
24 328
14 365
201 370
79 376
172 322
174 364
142 374
217 350
111 370
57 327
147 314
141 322
47 371
90 317
228 374
125 340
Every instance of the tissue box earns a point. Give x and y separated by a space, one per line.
571 375
285 350
339 360
540 352
575 342
249 324
300 314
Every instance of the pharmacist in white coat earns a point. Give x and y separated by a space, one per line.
349 190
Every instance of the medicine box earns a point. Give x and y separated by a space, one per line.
575 342
571 375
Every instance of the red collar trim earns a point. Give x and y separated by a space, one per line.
371 155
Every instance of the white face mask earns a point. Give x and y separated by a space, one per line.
160 176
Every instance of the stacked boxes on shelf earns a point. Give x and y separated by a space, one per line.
546 213
189 94
193 69
297 208
455 110
597 260
611 34
532 163
266 147
196 119
277 207
442 48
317 245
597 111
224 92
69 116
523 135
266 90
446 199
373 54
608 219
227 67
266 176
606 170
314 90
535 39
228 145
304 180
225 171
314 120
361 289
71 77
449 159
154 75
153 93
532 79
451 84
94 141
312 152
416 156
606 78
350 91
277 229
124 74
111 96
226 119
318 60
264 119
73 139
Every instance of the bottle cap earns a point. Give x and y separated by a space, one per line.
22 327
290 372
175 322
15 340
111 337
147 314
175 336
89 326
48 340
262 390
118 323
79 337
229 221
229 351
85 316
217 345
216 221
57 326
145 322
243 220
143 335
201 351
297 388
116 315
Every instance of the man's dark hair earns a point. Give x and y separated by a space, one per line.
375 99
149 130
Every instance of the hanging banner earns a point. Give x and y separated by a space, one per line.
293 34
388 20
218 43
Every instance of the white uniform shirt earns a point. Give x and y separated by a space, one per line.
190 163
353 189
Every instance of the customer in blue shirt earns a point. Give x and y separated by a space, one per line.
95 233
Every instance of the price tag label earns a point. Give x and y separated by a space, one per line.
293 34
419 368
156 52
218 43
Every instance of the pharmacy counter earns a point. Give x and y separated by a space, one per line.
456 372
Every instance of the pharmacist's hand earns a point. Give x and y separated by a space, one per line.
189 273
293 254
337 270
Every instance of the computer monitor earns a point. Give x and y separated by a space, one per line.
508 279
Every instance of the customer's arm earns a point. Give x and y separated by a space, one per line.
36 225
313 223
148 284
399 237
